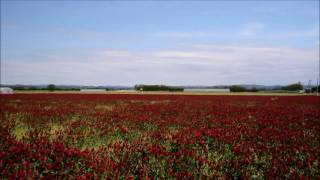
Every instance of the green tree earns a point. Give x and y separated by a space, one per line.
293 87
156 88
51 87
314 89
236 88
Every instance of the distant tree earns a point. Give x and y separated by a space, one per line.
51 87
254 89
236 88
293 87
31 88
156 88
314 89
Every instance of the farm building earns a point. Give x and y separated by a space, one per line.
6 90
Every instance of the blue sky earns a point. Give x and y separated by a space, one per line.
159 42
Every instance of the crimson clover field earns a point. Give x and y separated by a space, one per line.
101 136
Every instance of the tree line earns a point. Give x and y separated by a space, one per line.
143 87
292 87
50 87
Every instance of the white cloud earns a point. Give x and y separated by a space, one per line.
314 32
116 53
249 30
205 64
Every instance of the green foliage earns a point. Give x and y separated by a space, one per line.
314 89
37 88
293 87
156 88
51 87
20 131
236 88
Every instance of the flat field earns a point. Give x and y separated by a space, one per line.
135 136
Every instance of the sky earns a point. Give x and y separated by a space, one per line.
159 42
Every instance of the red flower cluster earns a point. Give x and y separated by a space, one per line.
82 136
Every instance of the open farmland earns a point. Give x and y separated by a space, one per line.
129 136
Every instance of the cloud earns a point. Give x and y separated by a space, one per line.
196 64
314 32
116 53
248 30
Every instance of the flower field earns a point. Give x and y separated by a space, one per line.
96 136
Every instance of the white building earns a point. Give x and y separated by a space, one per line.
6 90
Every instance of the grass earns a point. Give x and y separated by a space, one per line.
20 131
